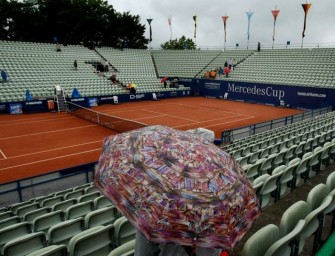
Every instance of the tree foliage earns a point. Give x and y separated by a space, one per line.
182 43
87 22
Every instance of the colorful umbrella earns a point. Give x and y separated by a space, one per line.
164 79
131 86
227 70
175 186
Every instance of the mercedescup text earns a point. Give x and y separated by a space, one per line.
268 91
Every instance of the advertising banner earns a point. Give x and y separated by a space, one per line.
278 95
92 102
15 108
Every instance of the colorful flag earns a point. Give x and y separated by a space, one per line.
149 21
224 19
249 14
275 14
306 8
195 26
170 25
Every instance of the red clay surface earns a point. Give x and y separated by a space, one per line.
34 144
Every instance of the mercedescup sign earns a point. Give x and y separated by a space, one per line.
268 91
273 94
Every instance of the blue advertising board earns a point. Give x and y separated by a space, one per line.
35 106
92 102
79 101
15 108
293 96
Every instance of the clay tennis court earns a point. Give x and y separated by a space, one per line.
34 144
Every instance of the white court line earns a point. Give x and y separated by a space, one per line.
174 105
149 117
211 109
54 149
193 121
225 117
9 123
199 122
49 159
217 123
135 108
4 156
177 117
39 133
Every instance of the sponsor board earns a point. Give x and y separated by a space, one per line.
30 103
136 96
269 91
15 108
311 94
274 94
92 102
78 100
212 86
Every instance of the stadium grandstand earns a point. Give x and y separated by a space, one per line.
289 161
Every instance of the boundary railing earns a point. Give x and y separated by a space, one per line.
229 136
42 185
26 189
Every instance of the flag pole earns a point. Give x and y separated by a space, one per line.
275 14
170 24
195 30
306 8
224 19
249 14
150 31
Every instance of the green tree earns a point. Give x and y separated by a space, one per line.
182 43
88 22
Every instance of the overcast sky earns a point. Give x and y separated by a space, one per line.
210 30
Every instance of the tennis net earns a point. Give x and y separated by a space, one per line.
114 123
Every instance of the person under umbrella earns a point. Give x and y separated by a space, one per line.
144 247
179 190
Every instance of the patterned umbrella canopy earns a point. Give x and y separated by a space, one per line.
175 186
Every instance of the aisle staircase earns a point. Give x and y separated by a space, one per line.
60 99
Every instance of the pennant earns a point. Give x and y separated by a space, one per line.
195 26
224 19
249 14
149 21
306 9
170 22
275 15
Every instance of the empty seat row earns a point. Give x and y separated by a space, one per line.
71 238
300 221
